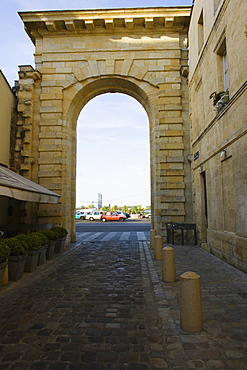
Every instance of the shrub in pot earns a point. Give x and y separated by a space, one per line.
17 258
42 254
62 233
35 242
18 245
43 238
52 237
4 252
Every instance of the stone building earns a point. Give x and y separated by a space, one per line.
84 53
8 104
218 65
16 192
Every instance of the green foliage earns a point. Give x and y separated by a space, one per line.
43 238
50 235
61 231
126 209
4 251
23 239
34 241
18 245
137 209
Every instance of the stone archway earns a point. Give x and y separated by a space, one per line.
81 54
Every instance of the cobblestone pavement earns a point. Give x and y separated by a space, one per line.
102 305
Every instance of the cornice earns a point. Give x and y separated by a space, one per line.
47 23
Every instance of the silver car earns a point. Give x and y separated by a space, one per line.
96 215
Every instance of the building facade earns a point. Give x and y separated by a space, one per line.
83 53
8 103
218 116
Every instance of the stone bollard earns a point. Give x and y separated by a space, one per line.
190 302
152 235
158 245
168 265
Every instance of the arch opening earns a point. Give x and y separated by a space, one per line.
82 94
109 85
113 152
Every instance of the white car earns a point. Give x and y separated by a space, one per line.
146 214
96 215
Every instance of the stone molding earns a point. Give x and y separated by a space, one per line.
24 135
79 21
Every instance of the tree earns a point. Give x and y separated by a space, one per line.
137 209
126 209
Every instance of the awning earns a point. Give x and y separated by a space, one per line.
16 186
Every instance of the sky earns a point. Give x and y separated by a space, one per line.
112 130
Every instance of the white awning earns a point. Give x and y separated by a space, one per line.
16 186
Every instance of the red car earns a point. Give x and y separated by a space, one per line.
112 216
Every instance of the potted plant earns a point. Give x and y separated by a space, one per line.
34 241
4 255
42 254
60 242
52 237
17 258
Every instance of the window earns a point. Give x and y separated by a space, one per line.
225 71
200 32
223 83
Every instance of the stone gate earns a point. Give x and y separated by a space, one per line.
80 54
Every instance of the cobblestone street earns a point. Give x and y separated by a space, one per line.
103 305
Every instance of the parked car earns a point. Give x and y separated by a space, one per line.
127 215
96 215
112 216
80 216
146 214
